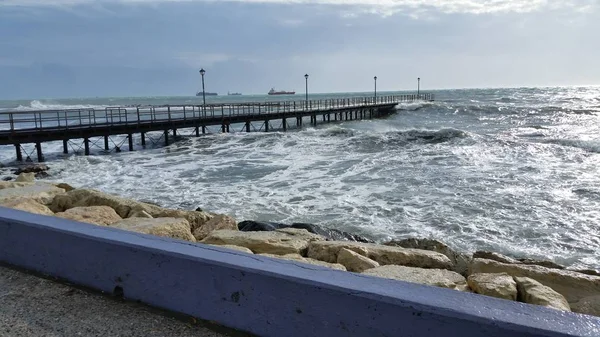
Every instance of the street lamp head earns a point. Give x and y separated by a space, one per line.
375 78
418 78
306 76
202 72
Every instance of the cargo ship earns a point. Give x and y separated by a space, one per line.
199 93
283 92
234 93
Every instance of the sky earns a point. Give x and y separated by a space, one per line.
94 48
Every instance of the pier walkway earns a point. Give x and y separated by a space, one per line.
37 127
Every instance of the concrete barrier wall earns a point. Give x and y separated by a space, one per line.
261 295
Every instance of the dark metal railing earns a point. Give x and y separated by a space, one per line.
15 121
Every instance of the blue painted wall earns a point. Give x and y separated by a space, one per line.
264 296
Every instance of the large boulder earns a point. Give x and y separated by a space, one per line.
218 222
328 251
124 207
96 215
25 178
572 285
175 228
589 305
499 285
533 292
42 193
279 242
354 261
27 205
494 256
14 184
327 233
543 263
433 277
299 258
232 247
32 168
460 261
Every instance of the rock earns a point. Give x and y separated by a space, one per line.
328 251
32 168
331 234
124 207
460 261
218 222
140 214
238 248
96 215
433 277
7 178
275 242
547 264
533 292
14 184
354 261
499 285
572 285
494 256
168 227
27 205
587 271
65 187
42 193
589 305
299 258
26 178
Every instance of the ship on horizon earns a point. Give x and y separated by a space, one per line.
282 92
234 93
199 93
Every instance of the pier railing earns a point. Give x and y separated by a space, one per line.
15 121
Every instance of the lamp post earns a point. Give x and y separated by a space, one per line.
306 90
375 78
202 72
418 87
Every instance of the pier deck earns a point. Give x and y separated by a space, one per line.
36 127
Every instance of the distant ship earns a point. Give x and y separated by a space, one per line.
233 94
199 93
273 92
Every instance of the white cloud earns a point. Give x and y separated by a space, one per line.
384 7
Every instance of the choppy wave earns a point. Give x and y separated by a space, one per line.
586 145
42 105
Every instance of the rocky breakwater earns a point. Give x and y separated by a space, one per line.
424 261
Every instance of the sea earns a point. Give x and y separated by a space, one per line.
515 171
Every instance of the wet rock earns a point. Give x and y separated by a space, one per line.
27 205
547 264
96 215
218 222
31 168
328 251
572 285
65 187
7 178
494 256
589 305
238 248
42 193
167 227
460 261
26 178
432 277
533 292
290 241
330 234
355 262
587 271
299 258
500 285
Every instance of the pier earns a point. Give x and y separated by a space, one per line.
94 127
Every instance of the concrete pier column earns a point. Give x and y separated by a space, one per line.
174 133
143 136
106 143
284 123
247 126
197 131
223 127
166 137
40 156
65 146
130 137
267 125
19 154
227 127
203 129
86 146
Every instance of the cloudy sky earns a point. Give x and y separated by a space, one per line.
74 48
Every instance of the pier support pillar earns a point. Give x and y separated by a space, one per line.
298 121
323 118
223 127
86 146
130 137
328 118
267 125
284 123
166 137
19 154
197 132
143 136
40 156
227 127
65 146
174 133
203 129
106 148
247 126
